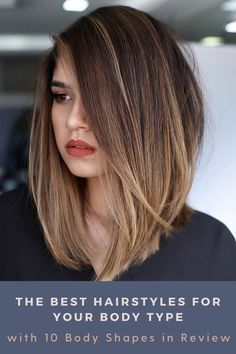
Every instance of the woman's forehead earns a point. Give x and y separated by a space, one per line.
63 72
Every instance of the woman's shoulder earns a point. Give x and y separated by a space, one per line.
15 200
16 209
8 196
205 219
207 229
204 235
23 253
204 249
208 246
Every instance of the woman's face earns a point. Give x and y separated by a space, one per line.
69 123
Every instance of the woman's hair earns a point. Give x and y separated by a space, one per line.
145 108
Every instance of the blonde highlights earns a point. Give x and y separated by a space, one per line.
145 108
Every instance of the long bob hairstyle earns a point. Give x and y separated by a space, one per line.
145 108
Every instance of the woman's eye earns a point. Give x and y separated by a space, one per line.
61 97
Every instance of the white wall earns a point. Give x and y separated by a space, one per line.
214 188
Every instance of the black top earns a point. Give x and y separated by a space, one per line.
204 250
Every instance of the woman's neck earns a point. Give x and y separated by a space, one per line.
95 197
98 222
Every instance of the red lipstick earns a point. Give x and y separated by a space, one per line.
79 148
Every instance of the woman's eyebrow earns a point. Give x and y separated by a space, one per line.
57 83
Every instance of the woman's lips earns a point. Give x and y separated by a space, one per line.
79 143
79 151
79 148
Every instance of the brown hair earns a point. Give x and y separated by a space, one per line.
145 108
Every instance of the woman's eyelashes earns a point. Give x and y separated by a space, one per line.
60 97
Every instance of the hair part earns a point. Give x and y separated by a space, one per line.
145 108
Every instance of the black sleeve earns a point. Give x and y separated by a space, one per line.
213 249
23 251
20 240
205 250
11 222
224 254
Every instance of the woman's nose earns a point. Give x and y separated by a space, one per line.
77 118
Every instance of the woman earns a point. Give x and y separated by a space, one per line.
117 127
